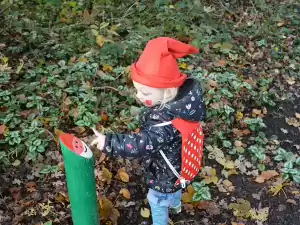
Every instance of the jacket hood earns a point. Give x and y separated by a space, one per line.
188 104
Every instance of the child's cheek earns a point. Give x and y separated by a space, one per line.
148 103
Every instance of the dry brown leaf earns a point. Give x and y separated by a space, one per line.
124 176
57 133
187 197
31 186
125 192
212 83
292 121
61 198
100 40
256 112
221 63
266 175
105 208
292 201
79 130
106 174
2 129
297 115
16 193
238 143
228 185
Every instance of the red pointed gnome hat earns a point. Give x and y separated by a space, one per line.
157 66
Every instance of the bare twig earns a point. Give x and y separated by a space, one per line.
11 4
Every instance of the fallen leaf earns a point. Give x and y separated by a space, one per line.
266 175
292 201
189 208
124 176
285 131
290 80
107 68
239 116
31 186
260 215
46 208
16 163
210 175
2 128
221 63
292 122
241 208
57 133
145 212
265 111
106 174
277 186
16 193
61 198
182 65
17 181
79 130
29 212
256 112
125 193
228 185
187 197
100 40
297 115
107 210
238 143
212 83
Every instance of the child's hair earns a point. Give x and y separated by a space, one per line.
169 95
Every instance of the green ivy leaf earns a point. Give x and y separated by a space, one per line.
227 144
293 171
80 123
261 167
296 179
278 158
197 197
205 194
289 165
285 170
198 185
48 223
41 149
298 161
286 176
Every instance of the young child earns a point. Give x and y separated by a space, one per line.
168 95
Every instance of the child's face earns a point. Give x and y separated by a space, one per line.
147 95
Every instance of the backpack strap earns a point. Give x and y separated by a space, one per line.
182 180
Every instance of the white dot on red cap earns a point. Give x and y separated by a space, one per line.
190 163
189 152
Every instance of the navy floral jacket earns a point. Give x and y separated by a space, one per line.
187 105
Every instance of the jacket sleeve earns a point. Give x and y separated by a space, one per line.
147 141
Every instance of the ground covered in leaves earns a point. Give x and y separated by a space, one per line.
64 68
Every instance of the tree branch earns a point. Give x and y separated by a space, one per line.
11 4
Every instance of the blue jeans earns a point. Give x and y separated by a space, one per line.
160 204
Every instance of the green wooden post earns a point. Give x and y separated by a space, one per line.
79 168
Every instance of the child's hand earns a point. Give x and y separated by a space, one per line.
99 141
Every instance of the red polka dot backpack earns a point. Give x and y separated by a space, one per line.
191 150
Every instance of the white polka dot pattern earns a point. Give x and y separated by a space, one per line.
191 154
